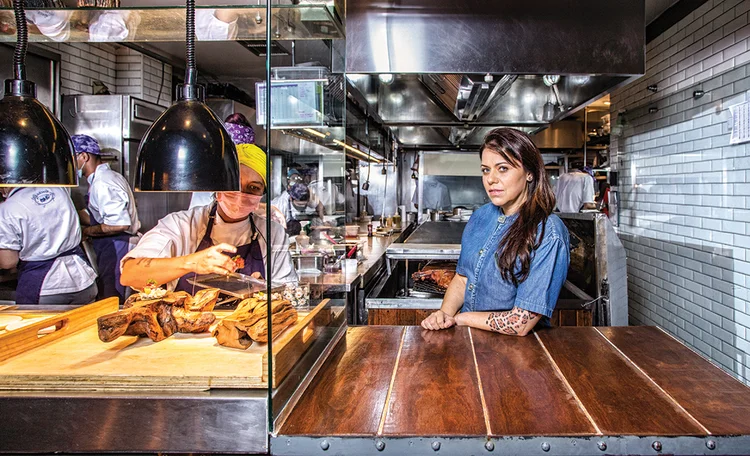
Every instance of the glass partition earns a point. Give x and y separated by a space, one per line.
167 23
302 119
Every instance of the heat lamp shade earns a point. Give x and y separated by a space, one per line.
35 148
187 149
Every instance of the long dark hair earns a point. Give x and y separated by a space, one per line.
520 241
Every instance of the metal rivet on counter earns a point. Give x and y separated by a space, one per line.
545 446
656 445
489 446
380 445
324 445
711 445
602 446
436 446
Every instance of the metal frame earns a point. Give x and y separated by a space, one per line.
221 421
562 445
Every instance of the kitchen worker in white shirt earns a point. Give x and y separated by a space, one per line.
435 196
298 203
575 191
203 240
110 219
40 235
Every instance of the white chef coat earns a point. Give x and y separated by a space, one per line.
179 234
573 190
328 198
435 196
284 204
41 223
111 201
208 27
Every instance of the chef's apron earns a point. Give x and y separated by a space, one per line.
31 275
251 253
110 250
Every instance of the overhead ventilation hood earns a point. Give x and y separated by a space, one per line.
457 69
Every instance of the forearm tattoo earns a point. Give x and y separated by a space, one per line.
510 321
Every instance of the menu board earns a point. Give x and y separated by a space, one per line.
294 103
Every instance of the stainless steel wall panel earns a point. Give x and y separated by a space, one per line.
485 36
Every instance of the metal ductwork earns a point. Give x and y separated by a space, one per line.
464 95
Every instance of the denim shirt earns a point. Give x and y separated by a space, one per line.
486 290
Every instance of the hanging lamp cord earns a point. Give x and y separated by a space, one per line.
22 41
190 70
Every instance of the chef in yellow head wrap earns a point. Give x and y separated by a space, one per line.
218 238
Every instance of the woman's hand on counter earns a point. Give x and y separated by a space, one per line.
438 320
213 260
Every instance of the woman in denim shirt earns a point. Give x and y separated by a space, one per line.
514 251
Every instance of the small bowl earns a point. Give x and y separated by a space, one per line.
352 230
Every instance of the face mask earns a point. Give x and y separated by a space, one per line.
80 173
238 205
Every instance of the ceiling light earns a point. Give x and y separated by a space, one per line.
35 149
187 148
315 133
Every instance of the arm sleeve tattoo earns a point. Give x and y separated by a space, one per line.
510 321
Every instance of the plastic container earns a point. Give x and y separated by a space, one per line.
352 230
349 267
302 240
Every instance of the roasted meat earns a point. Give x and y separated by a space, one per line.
159 318
439 274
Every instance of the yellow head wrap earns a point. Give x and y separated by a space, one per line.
254 158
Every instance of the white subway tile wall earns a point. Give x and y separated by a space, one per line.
83 63
684 191
121 69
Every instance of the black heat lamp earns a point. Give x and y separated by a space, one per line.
187 148
35 148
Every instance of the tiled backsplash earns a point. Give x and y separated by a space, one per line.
685 196
122 70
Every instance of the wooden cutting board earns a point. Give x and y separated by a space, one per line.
80 361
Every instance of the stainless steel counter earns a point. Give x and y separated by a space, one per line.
437 233
423 251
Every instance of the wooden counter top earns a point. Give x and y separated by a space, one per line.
571 381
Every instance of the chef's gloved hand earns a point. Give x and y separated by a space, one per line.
212 260
438 320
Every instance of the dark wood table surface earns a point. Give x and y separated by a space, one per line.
568 381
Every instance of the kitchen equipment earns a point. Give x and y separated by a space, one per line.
436 216
458 210
118 122
312 263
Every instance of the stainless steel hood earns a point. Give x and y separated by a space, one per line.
456 69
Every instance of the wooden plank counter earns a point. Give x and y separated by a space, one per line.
579 382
